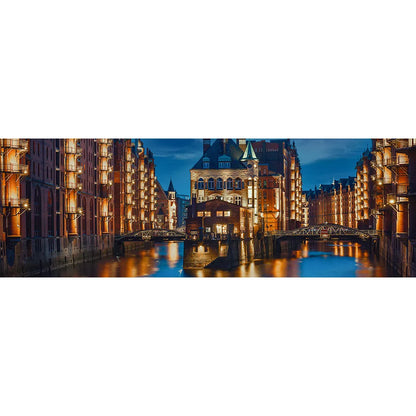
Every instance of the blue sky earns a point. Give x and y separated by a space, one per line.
321 160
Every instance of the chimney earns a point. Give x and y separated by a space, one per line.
242 144
206 145
224 142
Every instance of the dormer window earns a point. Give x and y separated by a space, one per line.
205 163
224 165
224 162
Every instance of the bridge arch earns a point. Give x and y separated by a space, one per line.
329 230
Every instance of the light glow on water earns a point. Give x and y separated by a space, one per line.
312 259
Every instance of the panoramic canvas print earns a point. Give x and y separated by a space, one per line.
208 207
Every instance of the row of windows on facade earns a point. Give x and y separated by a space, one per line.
221 164
229 184
38 206
218 213
232 199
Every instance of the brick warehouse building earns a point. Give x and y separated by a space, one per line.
61 199
394 198
334 204
384 200
263 176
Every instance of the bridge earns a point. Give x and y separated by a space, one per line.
327 231
152 235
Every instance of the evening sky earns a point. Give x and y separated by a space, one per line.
322 160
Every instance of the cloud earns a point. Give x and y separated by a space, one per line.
313 150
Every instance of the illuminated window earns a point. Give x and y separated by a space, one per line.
220 213
207 213
227 213
200 213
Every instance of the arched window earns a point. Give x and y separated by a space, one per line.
50 214
229 183
230 199
200 183
238 183
219 183
211 183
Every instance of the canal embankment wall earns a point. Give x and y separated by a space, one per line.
44 255
28 259
398 253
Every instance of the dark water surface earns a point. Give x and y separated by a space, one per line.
314 259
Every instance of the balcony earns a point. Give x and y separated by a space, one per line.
74 167
74 210
71 184
397 161
16 203
104 167
14 168
401 189
73 149
22 144
399 143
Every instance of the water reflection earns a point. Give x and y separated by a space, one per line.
313 259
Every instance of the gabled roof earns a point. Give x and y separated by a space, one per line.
216 150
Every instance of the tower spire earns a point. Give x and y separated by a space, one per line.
171 188
249 153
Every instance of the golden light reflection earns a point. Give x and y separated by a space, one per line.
280 268
305 250
357 251
336 252
173 254
165 259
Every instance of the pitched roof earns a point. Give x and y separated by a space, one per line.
216 150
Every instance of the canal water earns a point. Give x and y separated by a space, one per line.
314 259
